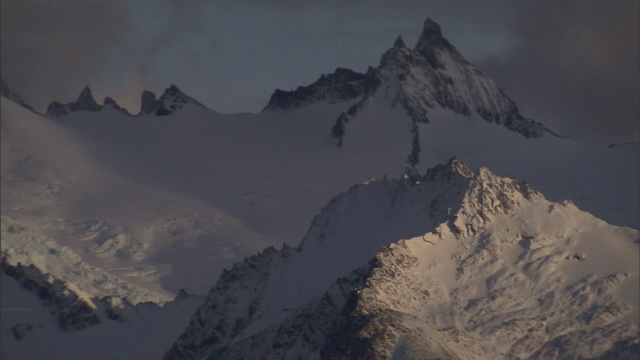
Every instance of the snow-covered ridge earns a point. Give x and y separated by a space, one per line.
456 264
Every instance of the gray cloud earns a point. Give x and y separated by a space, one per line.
52 48
184 21
576 67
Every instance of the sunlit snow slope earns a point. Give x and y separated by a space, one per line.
453 265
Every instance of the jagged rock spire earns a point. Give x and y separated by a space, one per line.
148 102
86 101
399 43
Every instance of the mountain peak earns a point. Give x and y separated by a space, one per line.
399 43
453 168
110 103
457 166
174 99
431 39
433 74
172 89
431 26
85 94
86 101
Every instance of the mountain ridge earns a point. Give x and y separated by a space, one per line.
171 100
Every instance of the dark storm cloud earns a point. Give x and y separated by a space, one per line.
52 48
576 67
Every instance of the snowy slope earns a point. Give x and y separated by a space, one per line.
454 265
146 236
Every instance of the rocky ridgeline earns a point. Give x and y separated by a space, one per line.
170 101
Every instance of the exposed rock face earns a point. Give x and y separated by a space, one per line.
173 99
85 102
456 264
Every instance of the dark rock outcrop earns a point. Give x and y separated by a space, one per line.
85 102
148 102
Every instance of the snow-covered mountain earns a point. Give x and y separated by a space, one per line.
431 74
97 202
454 265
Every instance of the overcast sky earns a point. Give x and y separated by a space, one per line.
571 64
